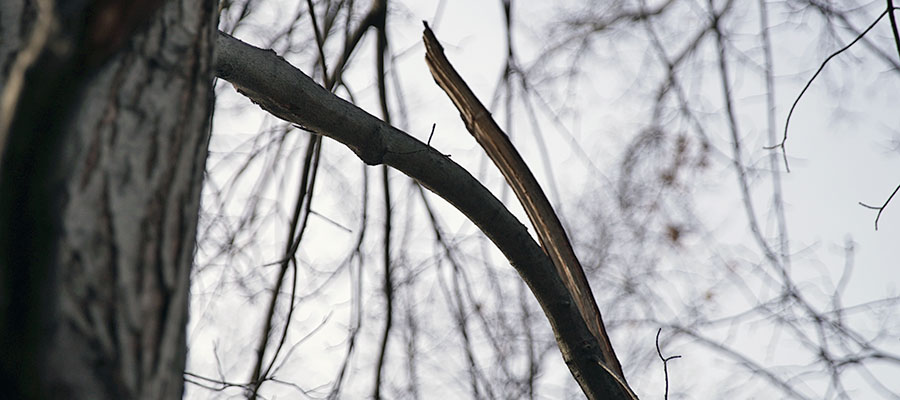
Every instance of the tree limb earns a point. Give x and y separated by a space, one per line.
498 147
286 92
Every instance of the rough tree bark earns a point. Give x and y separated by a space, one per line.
102 165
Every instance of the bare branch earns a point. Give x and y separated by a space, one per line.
882 207
551 233
809 83
287 93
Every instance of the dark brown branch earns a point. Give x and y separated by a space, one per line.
501 151
287 93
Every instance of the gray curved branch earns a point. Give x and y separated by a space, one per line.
286 92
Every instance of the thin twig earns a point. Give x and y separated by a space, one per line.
665 361
809 83
882 207
430 135
893 19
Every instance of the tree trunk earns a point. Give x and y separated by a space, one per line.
100 183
